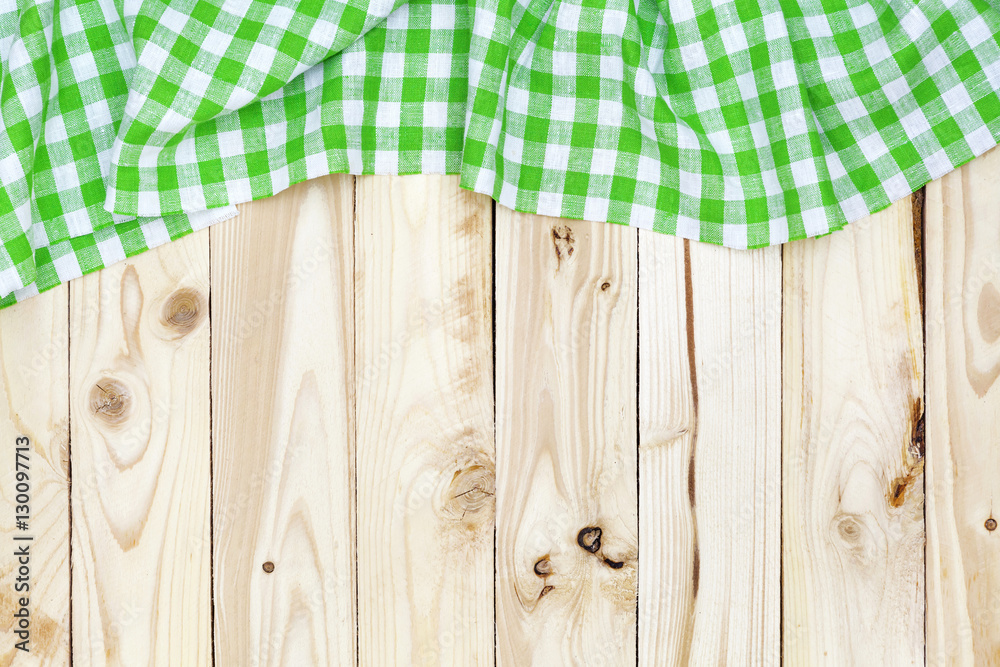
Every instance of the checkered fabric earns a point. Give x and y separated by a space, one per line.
748 123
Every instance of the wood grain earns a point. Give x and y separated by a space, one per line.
283 429
853 454
962 251
566 441
425 465
710 453
139 395
34 403
313 440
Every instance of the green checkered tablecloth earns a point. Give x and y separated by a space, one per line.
127 124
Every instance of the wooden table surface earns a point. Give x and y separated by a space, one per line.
381 421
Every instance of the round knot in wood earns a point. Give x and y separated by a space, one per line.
854 538
849 529
183 311
471 490
110 402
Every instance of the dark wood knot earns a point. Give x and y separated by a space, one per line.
562 240
109 400
589 539
543 567
183 311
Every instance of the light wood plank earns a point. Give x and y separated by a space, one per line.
34 395
139 394
962 251
710 453
853 457
425 465
566 441
667 428
283 427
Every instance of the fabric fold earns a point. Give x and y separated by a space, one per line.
197 61
744 124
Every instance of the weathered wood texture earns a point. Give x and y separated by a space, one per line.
425 464
962 259
710 453
852 473
566 441
283 429
139 397
34 403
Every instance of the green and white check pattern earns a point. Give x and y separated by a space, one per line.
127 124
